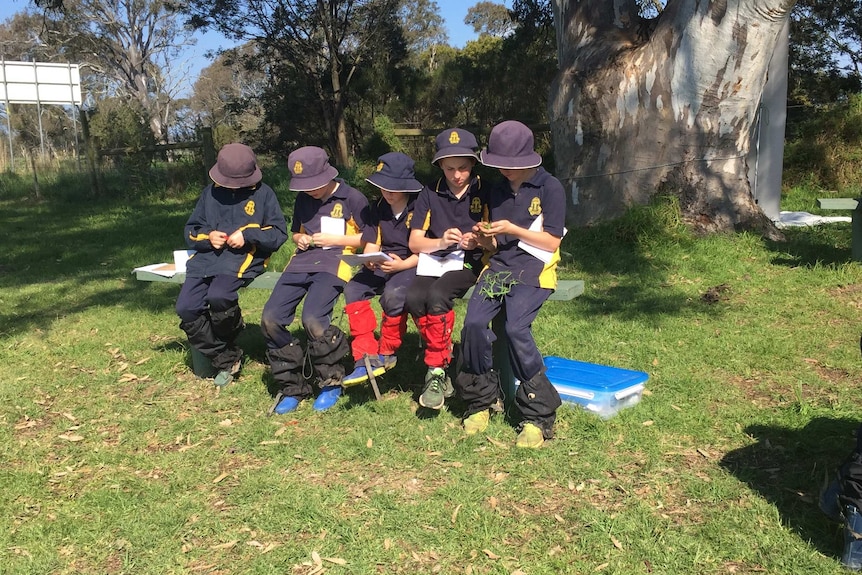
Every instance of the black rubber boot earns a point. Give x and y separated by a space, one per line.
479 392
227 324
202 337
326 354
286 365
538 400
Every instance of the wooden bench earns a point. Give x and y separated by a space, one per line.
567 290
853 205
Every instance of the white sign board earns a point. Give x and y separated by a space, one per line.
39 83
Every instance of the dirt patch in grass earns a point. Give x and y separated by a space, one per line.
760 391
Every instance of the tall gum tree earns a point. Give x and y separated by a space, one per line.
324 41
132 44
663 106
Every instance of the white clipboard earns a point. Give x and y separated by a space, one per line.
434 266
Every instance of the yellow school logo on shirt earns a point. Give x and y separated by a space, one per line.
380 167
454 138
408 220
249 208
337 211
535 207
297 167
476 206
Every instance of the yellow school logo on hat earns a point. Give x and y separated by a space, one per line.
476 206
454 138
337 211
297 167
380 167
249 208
535 207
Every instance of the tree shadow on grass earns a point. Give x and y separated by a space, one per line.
633 275
62 251
827 244
787 466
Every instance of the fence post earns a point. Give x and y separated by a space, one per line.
207 151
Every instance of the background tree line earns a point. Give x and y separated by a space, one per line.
340 73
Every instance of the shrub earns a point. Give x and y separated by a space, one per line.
824 149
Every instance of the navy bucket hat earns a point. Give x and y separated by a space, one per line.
309 169
455 142
395 173
236 167
510 147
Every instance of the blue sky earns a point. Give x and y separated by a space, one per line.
453 12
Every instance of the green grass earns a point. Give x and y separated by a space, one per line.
117 460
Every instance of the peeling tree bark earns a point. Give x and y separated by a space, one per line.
666 106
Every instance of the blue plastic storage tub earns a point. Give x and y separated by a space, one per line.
597 388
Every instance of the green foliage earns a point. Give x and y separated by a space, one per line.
657 223
120 123
489 18
383 139
497 284
824 149
825 35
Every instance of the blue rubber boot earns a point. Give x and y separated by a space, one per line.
286 405
358 375
388 361
851 558
328 397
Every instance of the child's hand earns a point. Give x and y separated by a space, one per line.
482 229
236 240
391 266
305 241
451 236
468 241
498 227
217 239
322 240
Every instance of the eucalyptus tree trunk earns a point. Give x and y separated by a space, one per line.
664 106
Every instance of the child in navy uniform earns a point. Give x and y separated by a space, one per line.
235 226
442 227
526 227
388 231
328 219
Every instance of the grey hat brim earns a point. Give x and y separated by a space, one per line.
532 160
454 152
303 184
388 183
235 183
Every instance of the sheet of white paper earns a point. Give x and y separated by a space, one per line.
180 259
543 255
333 226
163 269
360 259
436 266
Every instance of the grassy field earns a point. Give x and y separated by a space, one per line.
116 459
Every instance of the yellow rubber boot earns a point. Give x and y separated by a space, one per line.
530 437
477 422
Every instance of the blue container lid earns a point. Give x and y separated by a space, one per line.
591 377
